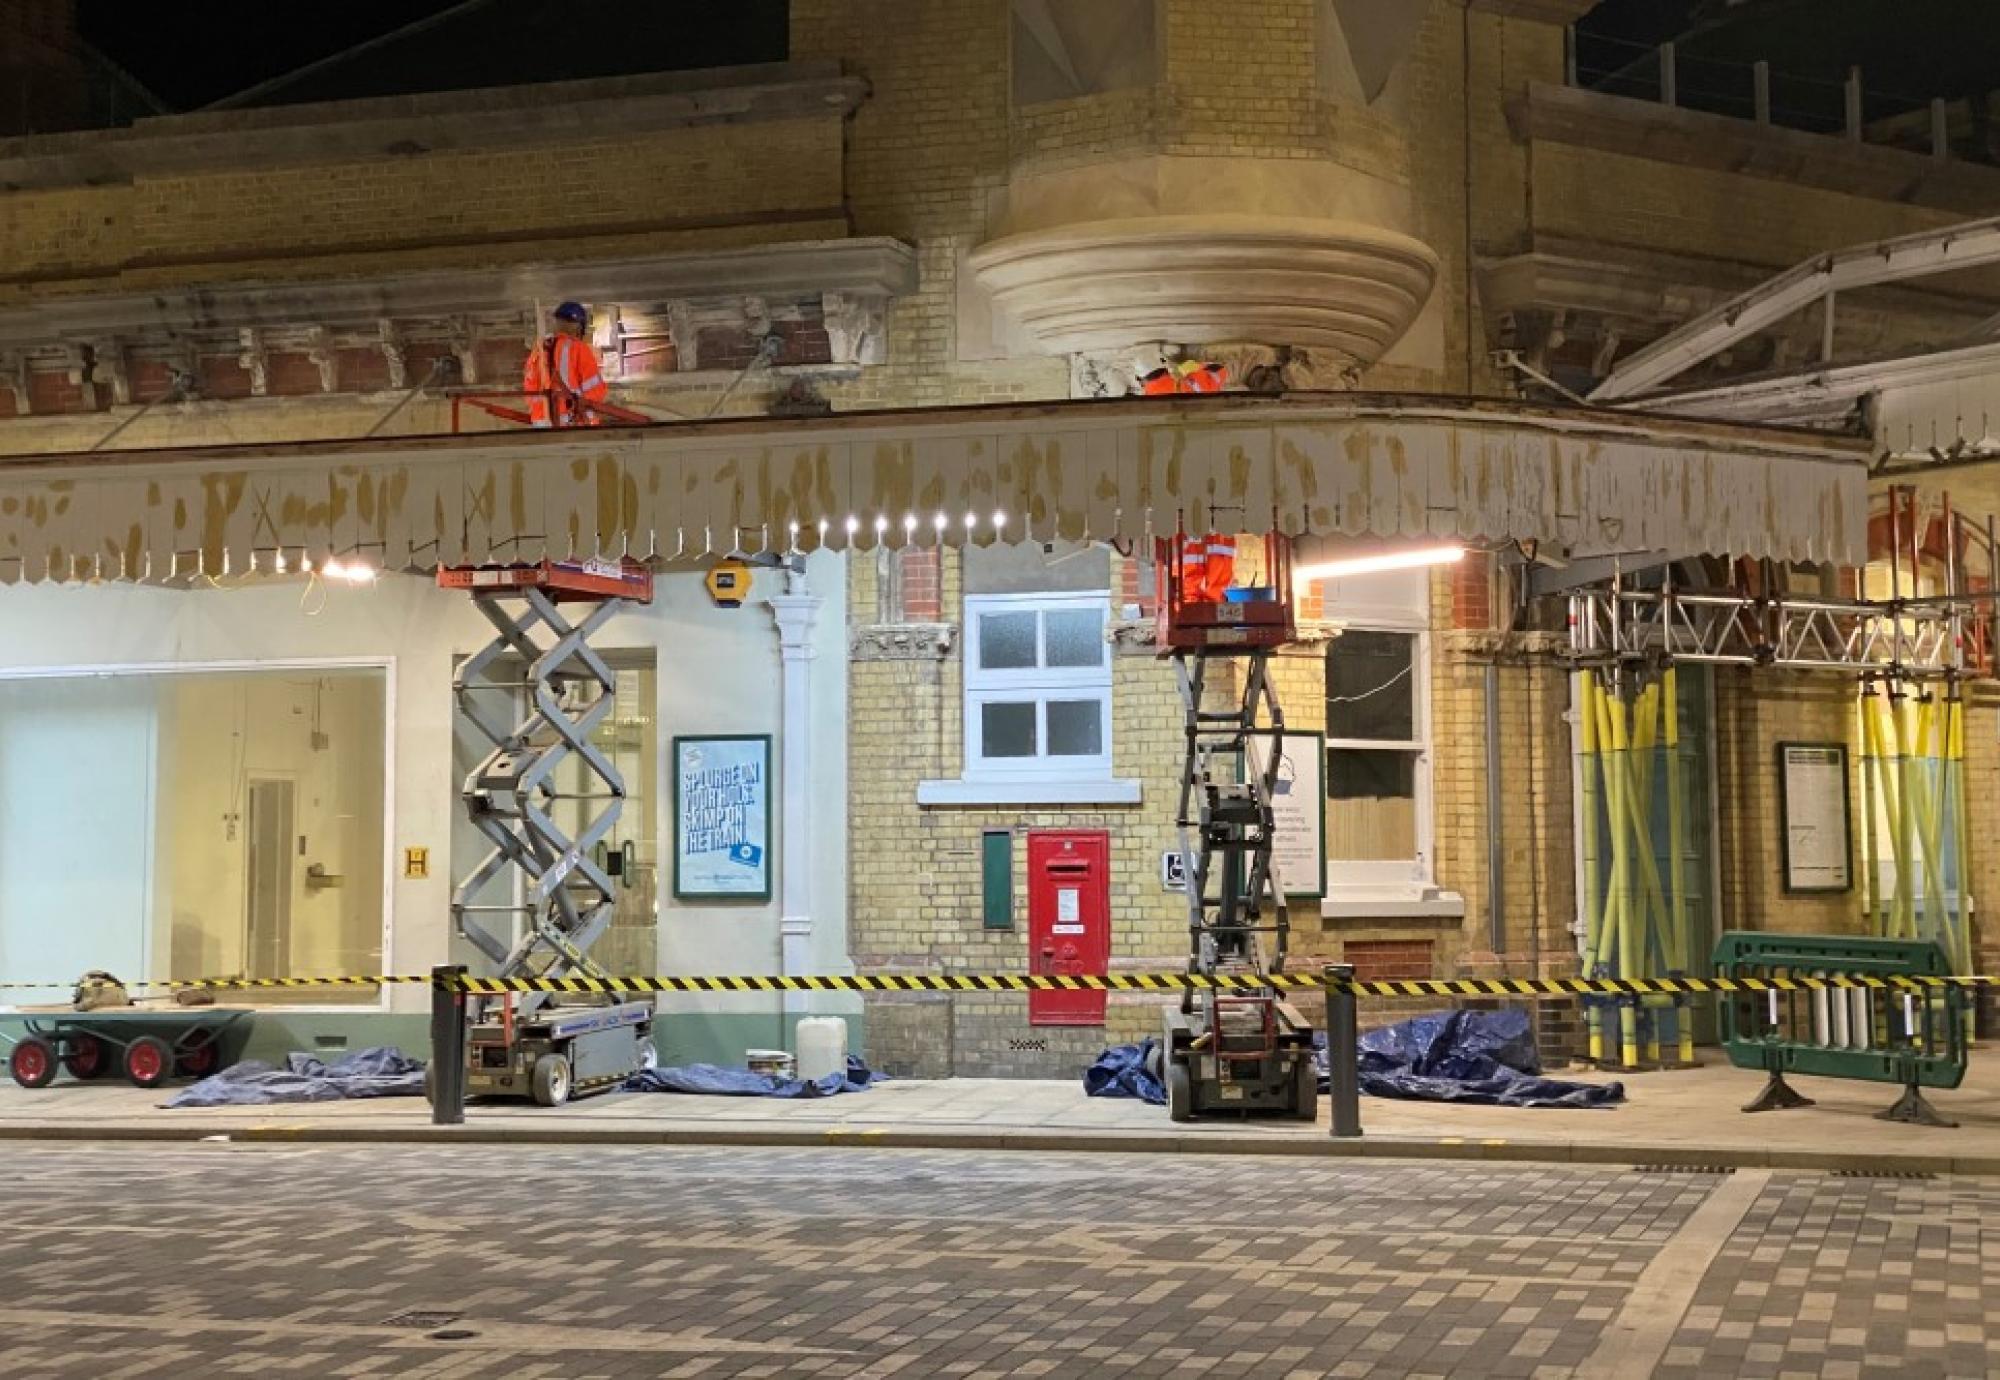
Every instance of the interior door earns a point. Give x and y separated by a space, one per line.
271 842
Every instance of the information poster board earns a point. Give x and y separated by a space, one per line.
1813 817
722 817
1299 851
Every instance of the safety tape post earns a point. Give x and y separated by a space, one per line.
887 983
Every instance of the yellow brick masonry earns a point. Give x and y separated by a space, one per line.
441 209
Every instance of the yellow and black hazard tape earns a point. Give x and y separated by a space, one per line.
229 983
1182 982
1112 982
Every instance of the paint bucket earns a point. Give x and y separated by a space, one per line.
772 1063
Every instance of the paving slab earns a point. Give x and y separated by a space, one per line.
1688 1117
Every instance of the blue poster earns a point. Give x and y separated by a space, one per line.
722 817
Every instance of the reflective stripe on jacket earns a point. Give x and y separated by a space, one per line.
567 368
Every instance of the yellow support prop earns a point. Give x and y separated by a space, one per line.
1593 909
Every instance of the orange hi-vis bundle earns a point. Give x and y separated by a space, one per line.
1208 565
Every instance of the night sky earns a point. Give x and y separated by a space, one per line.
192 54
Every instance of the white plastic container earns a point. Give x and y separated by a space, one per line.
822 1042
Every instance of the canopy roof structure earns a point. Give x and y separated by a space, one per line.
1326 468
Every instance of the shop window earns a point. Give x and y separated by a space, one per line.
194 824
1037 686
1377 734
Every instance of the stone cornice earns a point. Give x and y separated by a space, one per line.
867 268
1693 138
405 126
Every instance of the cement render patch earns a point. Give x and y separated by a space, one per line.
1687 1119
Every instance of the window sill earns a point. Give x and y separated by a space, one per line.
1392 903
1050 791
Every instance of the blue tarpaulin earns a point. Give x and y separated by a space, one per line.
379 1072
715 1081
1451 1056
1467 1056
1121 1072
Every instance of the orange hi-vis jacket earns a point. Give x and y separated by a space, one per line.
568 369
1208 566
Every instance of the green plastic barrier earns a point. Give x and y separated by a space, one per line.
1916 1039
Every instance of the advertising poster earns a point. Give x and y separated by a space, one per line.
1812 789
1299 851
722 817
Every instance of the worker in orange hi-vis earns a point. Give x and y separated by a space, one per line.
1218 566
563 370
1190 376
1201 377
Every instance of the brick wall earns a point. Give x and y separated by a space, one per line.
915 878
702 186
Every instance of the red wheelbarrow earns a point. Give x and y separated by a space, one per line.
147 1045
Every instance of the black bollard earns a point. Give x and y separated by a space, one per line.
1343 1052
447 1072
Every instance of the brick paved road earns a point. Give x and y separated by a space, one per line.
235 1260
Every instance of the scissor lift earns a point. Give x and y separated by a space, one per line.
529 1045
1245 1049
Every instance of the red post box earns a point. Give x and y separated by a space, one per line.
1069 920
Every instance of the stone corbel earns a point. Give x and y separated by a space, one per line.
108 366
77 370
1133 636
459 335
903 642
855 327
757 316
390 342
254 360
1095 375
680 325
320 351
14 379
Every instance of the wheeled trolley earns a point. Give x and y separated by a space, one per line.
529 1044
1244 1049
146 1046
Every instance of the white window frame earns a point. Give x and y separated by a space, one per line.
1382 887
1039 684
1041 779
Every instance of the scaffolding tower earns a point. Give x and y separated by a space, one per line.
1912 628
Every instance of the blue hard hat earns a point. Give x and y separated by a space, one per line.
571 311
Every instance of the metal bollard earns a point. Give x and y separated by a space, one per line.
1343 1052
447 1071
